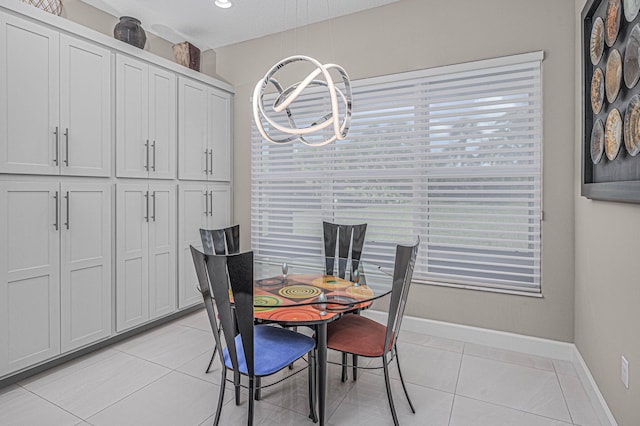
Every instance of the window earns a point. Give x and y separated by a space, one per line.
451 154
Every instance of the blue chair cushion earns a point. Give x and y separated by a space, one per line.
274 349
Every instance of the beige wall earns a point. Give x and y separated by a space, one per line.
417 34
607 283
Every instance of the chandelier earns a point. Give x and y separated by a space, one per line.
338 119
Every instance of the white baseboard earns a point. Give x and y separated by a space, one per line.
513 342
588 382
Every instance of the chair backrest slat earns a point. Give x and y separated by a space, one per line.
224 308
240 268
402 275
221 241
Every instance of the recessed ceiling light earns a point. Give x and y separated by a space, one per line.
225 4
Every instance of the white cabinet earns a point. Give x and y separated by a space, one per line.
200 206
55 269
145 120
55 102
204 131
85 109
145 253
85 263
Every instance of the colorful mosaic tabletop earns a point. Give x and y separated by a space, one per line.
297 299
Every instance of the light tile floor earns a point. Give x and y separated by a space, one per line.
157 378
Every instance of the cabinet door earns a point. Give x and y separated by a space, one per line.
29 96
219 206
193 211
162 123
132 119
162 250
85 108
132 255
220 134
29 274
85 264
193 146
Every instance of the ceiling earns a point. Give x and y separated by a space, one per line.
207 26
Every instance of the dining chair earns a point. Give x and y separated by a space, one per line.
362 336
349 240
258 350
220 241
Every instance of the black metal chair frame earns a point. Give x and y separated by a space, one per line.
402 275
220 241
239 268
350 241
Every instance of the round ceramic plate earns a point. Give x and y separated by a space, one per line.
597 91
613 75
263 303
613 134
631 8
632 126
597 141
631 68
299 291
612 23
596 43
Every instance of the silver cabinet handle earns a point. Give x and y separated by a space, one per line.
57 224
206 161
66 138
210 203
211 162
153 196
67 199
154 155
146 202
146 148
57 146
206 203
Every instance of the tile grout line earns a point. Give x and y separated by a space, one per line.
127 396
455 388
564 397
516 409
51 402
511 363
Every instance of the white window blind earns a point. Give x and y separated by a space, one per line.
452 154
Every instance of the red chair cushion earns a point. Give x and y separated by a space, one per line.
357 335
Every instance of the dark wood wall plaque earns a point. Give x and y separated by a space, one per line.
610 124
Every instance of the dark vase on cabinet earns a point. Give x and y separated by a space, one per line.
130 31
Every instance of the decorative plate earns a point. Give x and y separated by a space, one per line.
631 8
597 141
359 292
303 313
265 303
596 43
612 24
613 75
613 134
597 91
331 283
272 281
632 126
299 291
631 67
